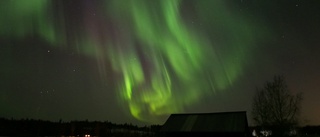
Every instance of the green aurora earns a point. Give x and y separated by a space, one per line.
166 64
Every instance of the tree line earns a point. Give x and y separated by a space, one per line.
31 127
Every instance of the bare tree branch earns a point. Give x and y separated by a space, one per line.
274 105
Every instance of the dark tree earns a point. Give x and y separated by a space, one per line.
275 107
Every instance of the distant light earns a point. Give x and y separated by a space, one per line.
254 133
87 135
266 132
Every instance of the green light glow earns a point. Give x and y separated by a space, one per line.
23 18
165 63
185 66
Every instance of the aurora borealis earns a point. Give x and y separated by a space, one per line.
145 59
164 62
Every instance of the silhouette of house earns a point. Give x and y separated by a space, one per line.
223 124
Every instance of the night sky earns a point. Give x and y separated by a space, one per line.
137 61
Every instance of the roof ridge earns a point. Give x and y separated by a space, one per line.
198 113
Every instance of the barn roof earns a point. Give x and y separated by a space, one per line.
207 122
